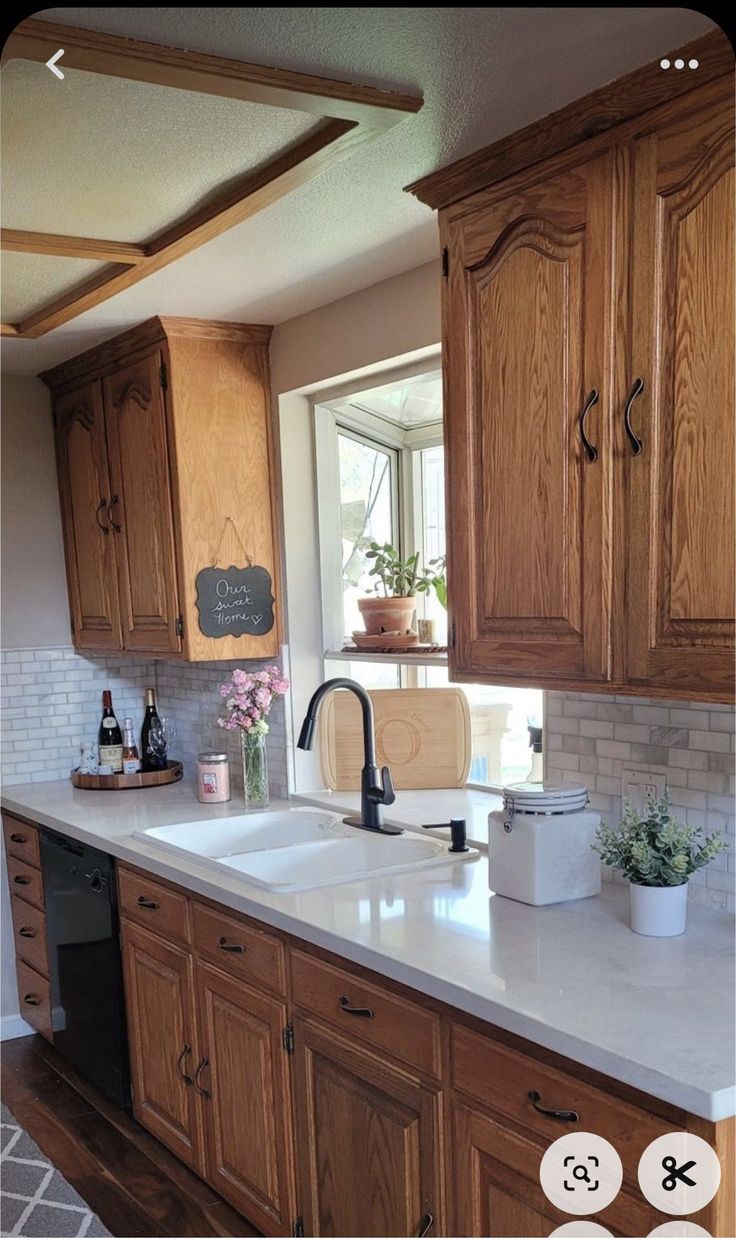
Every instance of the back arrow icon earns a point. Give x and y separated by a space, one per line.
51 63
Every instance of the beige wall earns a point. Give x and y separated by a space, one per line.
34 605
381 322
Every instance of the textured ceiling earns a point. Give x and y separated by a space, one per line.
108 158
484 72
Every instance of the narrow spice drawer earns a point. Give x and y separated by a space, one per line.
153 905
25 882
29 931
367 1012
21 840
238 947
34 997
503 1079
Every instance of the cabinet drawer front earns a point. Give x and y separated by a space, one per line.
25 882
239 948
29 931
21 841
154 905
367 1013
503 1079
34 998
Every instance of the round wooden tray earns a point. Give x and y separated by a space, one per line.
127 781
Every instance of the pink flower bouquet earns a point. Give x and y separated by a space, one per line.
249 698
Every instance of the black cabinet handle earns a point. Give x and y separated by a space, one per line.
102 506
31 999
204 1092
637 388
234 948
565 1116
147 902
18 838
27 931
425 1225
362 1012
590 400
19 879
113 501
183 1075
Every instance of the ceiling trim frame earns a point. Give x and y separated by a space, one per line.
348 115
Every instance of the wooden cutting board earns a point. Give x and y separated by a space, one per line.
423 735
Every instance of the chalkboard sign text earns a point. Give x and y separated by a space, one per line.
234 601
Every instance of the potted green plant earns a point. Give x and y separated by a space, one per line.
391 608
657 854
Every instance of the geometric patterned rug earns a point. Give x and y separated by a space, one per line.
36 1201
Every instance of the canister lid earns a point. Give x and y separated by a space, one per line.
212 758
545 797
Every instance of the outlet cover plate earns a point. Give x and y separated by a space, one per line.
639 786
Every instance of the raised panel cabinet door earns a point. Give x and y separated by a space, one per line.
159 992
248 1111
681 584
141 511
367 1141
84 489
528 393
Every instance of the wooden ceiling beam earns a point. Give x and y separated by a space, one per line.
25 242
212 75
301 162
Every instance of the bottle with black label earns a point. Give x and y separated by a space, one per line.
153 738
109 737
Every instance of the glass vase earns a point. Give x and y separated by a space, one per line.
255 770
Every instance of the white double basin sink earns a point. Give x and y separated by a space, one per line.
299 849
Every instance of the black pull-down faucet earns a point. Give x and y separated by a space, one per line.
376 787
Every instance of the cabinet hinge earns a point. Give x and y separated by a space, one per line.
71 623
163 376
180 625
452 634
298 1227
287 1040
445 263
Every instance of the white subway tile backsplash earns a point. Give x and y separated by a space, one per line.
693 743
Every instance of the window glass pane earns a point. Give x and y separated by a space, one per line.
370 674
366 513
431 463
499 719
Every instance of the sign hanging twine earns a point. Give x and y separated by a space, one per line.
218 549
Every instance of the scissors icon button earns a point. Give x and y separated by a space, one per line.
669 1183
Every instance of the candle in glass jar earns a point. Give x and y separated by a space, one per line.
213 777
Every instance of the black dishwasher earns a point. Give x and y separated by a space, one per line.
85 970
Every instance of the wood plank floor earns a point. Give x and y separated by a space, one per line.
126 1177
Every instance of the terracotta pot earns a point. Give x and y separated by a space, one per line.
387 613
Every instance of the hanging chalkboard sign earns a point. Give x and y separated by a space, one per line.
234 601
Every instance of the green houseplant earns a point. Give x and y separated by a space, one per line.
398 581
657 854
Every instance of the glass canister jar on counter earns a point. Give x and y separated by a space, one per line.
213 777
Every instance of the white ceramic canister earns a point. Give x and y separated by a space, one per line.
213 777
658 911
540 846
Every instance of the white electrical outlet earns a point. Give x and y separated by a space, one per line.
642 786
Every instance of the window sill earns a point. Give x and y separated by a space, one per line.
414 808
388 658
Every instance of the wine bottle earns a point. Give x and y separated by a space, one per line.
109 738
131 759
153 739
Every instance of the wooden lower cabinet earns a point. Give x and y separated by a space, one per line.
368 1156
159 989
247 1113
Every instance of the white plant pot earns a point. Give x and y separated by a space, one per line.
658 911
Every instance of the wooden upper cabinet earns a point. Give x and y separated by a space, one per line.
680 590
167 467
141 508
368 1157
527 336
81 455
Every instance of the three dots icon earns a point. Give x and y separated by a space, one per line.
679 63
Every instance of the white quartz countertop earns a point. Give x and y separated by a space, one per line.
656 1014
